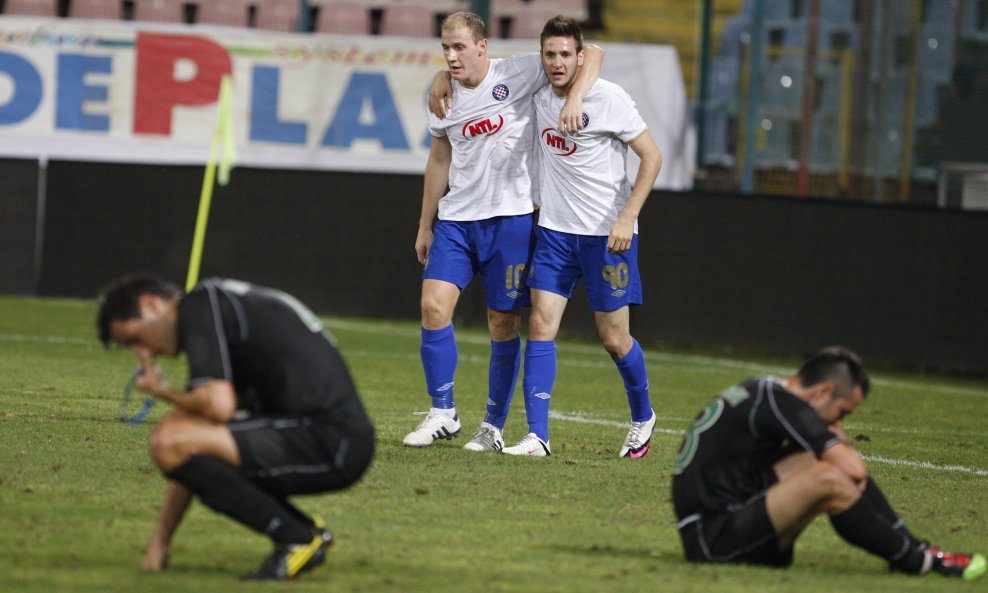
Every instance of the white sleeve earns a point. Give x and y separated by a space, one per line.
436 127
625 121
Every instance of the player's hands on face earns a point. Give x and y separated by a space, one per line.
422 243
440 98
619 239
150 379
571 117
838 430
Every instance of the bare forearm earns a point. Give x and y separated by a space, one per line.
199 401
589 72
436 180
651 163
435 186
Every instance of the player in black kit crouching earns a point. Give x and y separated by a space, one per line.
269 411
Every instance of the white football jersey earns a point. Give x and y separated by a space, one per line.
491 131
583 180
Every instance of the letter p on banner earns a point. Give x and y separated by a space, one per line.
157 89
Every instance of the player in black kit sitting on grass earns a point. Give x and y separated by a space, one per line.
766 457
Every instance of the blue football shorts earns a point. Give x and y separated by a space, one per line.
561 259
499 248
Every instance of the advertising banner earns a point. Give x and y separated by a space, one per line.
147 93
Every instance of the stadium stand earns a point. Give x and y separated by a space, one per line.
277 15
529 25
410 20
32 7
222 12
346 18
159 11
96 9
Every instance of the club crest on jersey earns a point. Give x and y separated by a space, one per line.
586 120
557 142
500 92
482 127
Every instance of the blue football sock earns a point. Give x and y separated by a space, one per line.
632 369
540 374
505 363
439 357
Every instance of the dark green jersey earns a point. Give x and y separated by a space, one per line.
271 347
727 455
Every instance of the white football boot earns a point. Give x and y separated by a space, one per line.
435 426
531 445
639 438
488 438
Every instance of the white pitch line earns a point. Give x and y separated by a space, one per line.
401 330
588 419
392 329
584 419
926 465
48 340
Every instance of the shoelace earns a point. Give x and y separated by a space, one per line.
634 435
429 417
487 435
530 441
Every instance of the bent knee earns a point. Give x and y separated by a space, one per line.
168 444
436 313
617 344
835 485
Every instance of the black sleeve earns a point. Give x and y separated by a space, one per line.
204 337
780 414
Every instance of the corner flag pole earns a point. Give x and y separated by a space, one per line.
223 141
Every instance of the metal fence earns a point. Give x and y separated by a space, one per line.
859 99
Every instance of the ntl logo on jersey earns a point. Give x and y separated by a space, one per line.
557 142
482 127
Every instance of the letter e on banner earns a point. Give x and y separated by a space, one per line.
158 90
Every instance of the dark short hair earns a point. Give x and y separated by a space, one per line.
837 364
469 20
119 300
562 26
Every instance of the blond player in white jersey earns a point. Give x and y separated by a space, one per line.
483 150
587 228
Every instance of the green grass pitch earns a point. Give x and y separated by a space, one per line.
79 495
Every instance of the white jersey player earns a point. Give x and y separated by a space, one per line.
587 228
482 149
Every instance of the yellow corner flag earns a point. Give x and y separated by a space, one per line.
223 141
224 130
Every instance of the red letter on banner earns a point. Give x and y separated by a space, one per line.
157 90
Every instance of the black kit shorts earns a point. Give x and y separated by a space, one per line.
287 455
742 534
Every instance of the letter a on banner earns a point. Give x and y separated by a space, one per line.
223 142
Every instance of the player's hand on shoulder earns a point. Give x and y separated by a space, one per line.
571 116
440 99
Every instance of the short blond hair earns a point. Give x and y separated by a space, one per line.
473 23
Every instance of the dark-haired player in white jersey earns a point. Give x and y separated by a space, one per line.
768 456
269 410
481 149
588 226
